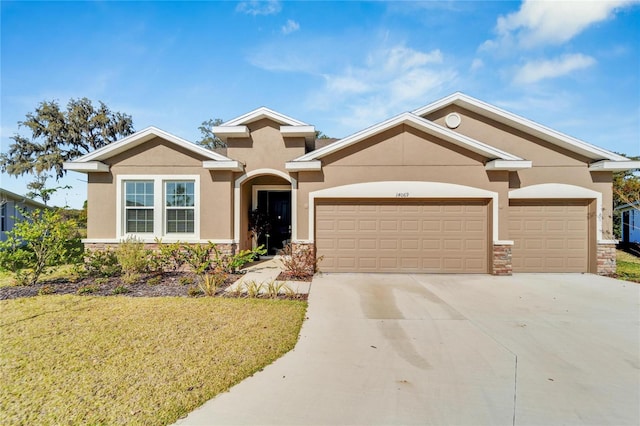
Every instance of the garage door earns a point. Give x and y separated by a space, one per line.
402 236
549 236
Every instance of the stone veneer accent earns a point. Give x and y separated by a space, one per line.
302 248
502 260
606 259
224 248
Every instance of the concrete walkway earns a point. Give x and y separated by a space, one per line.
264 272
451 350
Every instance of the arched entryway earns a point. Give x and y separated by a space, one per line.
264 198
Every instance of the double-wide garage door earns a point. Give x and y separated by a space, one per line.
549 235
402 236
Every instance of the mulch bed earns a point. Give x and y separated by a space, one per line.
168 284
152 285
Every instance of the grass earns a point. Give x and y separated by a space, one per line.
120 360
628 266
65 272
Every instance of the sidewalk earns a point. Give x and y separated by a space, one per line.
265 271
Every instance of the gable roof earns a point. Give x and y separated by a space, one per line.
6 195
260 113
424 125
520 123
289 127
92 162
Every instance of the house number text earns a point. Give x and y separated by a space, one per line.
402 195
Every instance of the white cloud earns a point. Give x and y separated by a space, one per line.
535 71
551 22
255 7
476 64
290 27
390 80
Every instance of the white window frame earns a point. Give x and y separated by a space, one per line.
159 208
167 208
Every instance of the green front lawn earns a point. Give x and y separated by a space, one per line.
124 360
628 267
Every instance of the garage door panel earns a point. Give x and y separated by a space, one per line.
404 236
549 235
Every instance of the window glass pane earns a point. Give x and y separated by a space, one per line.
139 220
180 221
179 194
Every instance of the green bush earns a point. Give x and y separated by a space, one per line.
168 257
120 290
232 263
100 263
39 240
132 257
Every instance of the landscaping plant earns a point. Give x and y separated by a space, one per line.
41 239
132 257
300 263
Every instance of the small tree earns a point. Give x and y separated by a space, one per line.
209 139
40 240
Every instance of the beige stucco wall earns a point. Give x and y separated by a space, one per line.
401 154
161 158
551 164
265 147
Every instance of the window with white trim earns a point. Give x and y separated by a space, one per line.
156 206
139 207
179 207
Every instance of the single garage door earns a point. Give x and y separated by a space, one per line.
549 235
402 236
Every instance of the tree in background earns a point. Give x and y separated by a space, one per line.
38 188
209 139
626 190
58 135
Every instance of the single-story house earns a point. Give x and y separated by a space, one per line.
11 205
457 186
630 215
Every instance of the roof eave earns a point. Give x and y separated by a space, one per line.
614 166
303 166
508 165
232 165
86 167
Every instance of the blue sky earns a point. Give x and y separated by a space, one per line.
341 66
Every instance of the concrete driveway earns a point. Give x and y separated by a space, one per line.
530 349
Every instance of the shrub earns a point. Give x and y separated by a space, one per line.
168 257
100 263
253 289
231 263
300 263
194 291
132 258
209 283
198 256
154 280
274 288
87 289
40 240
120 290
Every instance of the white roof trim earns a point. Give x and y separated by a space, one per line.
303 166
142 136
224 132
263 112
89 166
417 123
307 132
511 165
572 144
615 166
234 166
